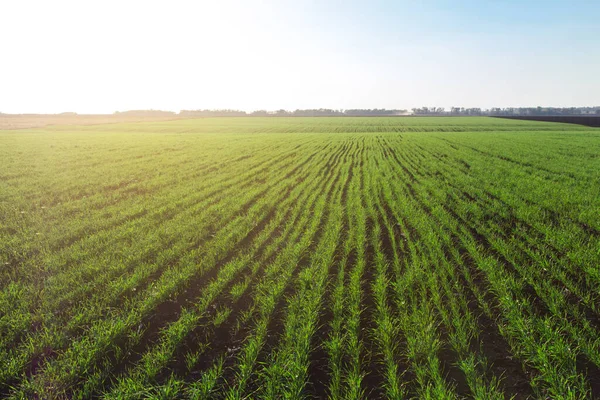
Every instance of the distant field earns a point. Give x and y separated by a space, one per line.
293 258
573 119
24 121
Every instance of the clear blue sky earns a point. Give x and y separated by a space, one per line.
119 55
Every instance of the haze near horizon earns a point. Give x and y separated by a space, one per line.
100 57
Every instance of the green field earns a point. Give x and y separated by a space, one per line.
288 258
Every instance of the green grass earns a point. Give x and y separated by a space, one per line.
342 258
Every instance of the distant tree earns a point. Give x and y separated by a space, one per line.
373 112
282 113
212 113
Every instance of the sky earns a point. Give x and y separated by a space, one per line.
105 56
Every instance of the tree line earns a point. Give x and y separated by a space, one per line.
508 111
360 112
316 112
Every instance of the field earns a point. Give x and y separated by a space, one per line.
23 121
342 258
593 120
